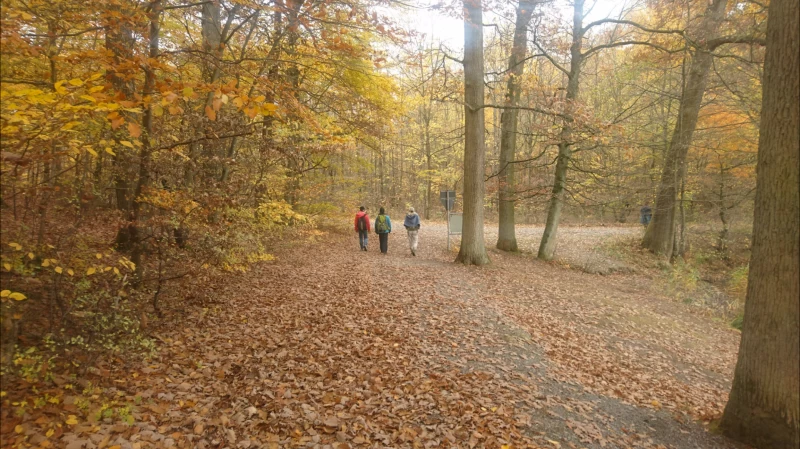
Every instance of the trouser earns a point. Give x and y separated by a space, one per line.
363 238
384 239
413 239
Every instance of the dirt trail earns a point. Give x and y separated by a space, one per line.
331 347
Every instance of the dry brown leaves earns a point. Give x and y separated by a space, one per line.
334 348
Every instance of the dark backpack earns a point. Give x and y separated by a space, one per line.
362 223
380 225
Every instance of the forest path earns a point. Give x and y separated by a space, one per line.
332 347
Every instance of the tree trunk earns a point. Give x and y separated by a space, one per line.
506 237
147 141
120 41
547 247
660 234
473 250
764 405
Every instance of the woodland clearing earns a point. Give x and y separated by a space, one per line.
331 347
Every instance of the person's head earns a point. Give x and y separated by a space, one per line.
410 210
382 211
361 208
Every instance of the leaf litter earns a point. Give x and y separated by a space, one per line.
330 347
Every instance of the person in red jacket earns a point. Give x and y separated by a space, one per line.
361 225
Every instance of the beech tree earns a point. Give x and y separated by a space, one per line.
506 238
764 405
473 249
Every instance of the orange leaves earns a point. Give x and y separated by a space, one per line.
134 130
210 113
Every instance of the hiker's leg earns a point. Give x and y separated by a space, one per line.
414 240
384 240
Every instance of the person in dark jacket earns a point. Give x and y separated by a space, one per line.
383 226
412 226
361 225
646 215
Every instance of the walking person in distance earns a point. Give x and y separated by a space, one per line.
646 214
412 226
383 226
361 225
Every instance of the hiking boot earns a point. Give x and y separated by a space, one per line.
413 253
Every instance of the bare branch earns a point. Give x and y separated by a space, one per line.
713 44
623 43
550 58
633 24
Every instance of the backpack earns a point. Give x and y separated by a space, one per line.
380 225
362 223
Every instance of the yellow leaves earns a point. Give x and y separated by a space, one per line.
126 143
91 151
31 256
89 98
268 109
187 92
70 272
59 270
76 82
16 296
134 130
98 256
15 246
71 420
91 271
7 266
19 429
96 89
69 126
59 87
50 433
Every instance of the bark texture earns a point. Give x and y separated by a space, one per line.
473 249
764 405
506 236
660 234
547 246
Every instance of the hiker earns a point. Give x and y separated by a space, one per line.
412 226
383 226
361 225
645 215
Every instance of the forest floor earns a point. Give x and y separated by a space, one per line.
332 347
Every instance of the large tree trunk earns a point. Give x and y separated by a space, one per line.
145 153
120 41
506 238
547 246
764 405
660 234
473 250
